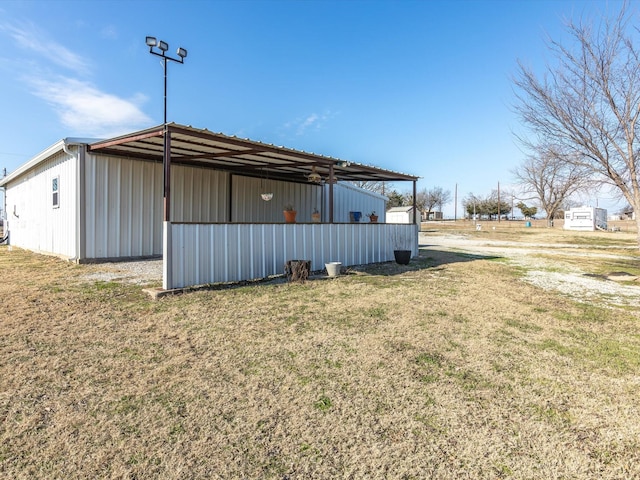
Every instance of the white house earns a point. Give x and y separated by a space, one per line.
200 206
585 218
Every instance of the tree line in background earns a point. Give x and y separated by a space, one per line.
474 206
489 207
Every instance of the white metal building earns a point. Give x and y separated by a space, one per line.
401 215
200 207
585 218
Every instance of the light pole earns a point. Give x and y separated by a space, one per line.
162 46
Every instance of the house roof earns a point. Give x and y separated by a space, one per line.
204 148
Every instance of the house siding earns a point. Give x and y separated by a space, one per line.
35 224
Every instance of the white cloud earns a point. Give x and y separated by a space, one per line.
81 106
28 36
88 111
308 122
312 121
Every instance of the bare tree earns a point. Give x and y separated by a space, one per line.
436 197
473 205
372 186
589 102
551 179
421 199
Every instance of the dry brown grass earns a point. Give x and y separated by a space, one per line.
451 367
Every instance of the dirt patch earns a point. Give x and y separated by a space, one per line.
545 265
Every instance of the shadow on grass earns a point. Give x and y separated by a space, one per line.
442 257
426 259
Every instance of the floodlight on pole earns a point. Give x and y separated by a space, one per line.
163 46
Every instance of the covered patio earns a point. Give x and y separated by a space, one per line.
245 240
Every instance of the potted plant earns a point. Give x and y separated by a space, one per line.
373 218
315 216
289 213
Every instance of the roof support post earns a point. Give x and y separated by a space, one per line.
166 165
415 204
331 182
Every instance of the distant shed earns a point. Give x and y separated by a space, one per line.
401 215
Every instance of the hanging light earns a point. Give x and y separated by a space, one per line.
314 176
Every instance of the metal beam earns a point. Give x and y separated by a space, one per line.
122 140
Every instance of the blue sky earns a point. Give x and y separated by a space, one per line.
422 87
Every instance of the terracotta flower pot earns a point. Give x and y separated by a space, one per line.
290 216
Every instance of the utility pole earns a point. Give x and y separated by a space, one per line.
455 204
512 207
499 206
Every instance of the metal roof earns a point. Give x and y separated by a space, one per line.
46 153
403 209
204 148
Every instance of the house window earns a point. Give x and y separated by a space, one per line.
55 190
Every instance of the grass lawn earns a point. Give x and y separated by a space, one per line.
451 367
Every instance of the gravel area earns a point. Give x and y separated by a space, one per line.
139 272
544 273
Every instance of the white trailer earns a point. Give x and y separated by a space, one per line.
585 219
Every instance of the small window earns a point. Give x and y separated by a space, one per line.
55 190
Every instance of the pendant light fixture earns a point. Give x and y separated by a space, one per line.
314 177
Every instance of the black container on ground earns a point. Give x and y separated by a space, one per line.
402 256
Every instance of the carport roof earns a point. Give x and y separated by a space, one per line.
207 149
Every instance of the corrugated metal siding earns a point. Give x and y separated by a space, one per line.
123 210
203 254
123 214
348 198
37 225
199 195
124 204
248 205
